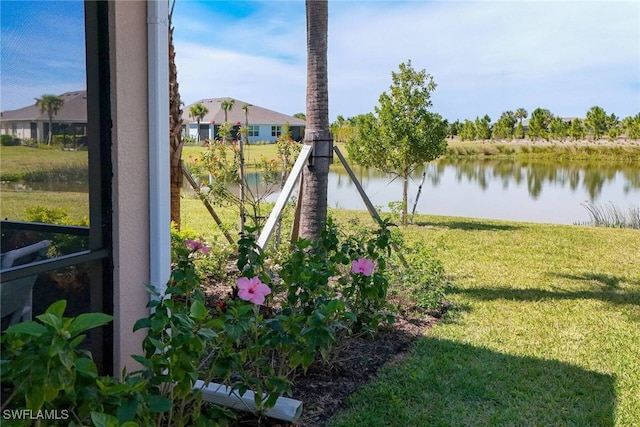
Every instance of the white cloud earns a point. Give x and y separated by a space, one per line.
486 56
489 56
205 72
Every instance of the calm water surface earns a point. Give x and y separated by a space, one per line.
494 189
498 189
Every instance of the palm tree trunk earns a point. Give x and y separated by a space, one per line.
315 177
50 135
175 131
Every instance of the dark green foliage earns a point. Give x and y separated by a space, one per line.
9 140
483 127
46 369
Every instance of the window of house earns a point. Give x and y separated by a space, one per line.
67 226
254 130
276 131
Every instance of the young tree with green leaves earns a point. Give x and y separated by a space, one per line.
467 131
614 127
453 129
596 122
403 133
50 104
198 112
539 124
288 150
503 129
483 127
576 130
558 128
518 132
631 126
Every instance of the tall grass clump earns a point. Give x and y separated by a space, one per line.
609 215
71 171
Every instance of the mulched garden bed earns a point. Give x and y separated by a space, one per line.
325 387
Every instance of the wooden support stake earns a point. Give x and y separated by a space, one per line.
285 409
204 200
295 227
284 196
365 198
415 204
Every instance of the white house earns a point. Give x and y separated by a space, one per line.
29 123
264 124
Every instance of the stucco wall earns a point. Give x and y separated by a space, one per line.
22 129
128 50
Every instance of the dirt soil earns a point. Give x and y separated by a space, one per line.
325 387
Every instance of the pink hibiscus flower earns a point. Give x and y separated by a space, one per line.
196 245
252 290
363 266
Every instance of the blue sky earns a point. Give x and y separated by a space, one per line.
41 50
485 56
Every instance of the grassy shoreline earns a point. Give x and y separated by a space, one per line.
20 162
556 152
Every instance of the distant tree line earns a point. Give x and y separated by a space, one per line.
542 125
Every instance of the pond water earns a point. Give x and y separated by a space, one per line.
494 189
534 191
497 189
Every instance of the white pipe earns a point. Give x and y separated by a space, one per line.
159 179
285 408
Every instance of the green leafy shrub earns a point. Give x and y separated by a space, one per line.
212 266
46 369
281 318
61 243
9 140
179 332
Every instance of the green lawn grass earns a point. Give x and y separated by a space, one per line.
14 203
544 329
544 332
17 161
252 152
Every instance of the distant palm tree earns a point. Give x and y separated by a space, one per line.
227 105
50 104
313 211
198 112
520 114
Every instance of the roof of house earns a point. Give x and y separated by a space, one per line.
257 115
73 110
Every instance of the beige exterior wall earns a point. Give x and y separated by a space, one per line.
20 130
128 51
